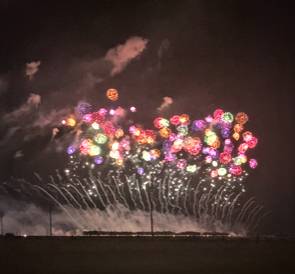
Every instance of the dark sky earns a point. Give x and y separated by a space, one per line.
238 55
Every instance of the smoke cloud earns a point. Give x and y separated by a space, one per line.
33 101
51 118
24 124
32 68
3 85
18 154
167 101
21 218
163 48
28 219
121 55
62 85
82 77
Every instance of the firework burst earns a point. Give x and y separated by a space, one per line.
181 168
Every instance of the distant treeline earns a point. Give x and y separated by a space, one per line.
158 233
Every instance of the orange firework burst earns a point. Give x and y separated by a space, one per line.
112 94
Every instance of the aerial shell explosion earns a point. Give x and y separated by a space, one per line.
217 147
181 169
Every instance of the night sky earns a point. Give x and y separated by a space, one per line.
237 55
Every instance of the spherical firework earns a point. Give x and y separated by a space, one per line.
247 136
199 125
83 108
184 119
70 122
140 171
98 160
253 163
236 136
238 128
213 147
221 171
175 120
218 114
94 150
225 157
133 109
243 147
241 118
235 170
191 168
71 150
182 130
100 138
95 125
252 142
165 132
112 94
160 122
227 117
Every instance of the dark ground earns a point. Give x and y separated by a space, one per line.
145 255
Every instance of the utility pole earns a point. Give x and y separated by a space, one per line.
1 223
151 211
50 221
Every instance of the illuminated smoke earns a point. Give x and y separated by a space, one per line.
18 154
121 55
54 132
113 203
51 119
32 102
163 47
3 85
167 101
32 68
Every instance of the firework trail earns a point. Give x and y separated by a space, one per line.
124 203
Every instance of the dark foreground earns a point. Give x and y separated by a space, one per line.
145 255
